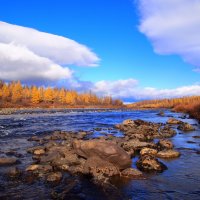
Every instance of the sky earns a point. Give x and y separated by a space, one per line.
130 49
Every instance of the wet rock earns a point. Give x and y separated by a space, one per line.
136 144
34 138
186 127
39 169
14 153
167 132
191 142
8 161
168 154
161 113
148 151
131 173
150 163
39 152
77 169
165 144
50 157
99 168
14 172
174 121
54 177
128 122
196 136
32 149
105 150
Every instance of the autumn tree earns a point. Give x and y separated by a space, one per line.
49 95
5 92
35 95
17 92
62 96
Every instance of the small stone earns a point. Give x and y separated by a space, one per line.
150 163
168 154
148 151
165 144
39 152
131 173
54 177
174 121
186 127
14 172
8 161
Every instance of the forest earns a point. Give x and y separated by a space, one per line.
16 95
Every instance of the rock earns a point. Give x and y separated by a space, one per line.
8 161
105 150
34 138
14 172
135 144
32 149
54 177
148 151
39 168
196 136
99 168
161 113
39 152
50 157
186 127
131 173
150 163
167 132
174 121
128 122
165 144
168 154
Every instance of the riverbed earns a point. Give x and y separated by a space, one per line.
180 181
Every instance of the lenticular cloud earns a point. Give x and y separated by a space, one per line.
28 54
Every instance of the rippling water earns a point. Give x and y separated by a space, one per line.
180 181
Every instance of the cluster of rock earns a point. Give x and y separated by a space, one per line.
101 158
183 126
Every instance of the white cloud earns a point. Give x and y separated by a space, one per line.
28 54
173 27
19 63
130 89
119 88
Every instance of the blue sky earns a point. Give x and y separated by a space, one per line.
117 33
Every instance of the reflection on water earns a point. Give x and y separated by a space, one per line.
180 181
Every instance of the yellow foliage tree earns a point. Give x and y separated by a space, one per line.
62 96
49 95
35 95
17 92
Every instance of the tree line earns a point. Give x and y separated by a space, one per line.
15 94
190 105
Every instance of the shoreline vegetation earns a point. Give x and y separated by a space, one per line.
189 105
15 95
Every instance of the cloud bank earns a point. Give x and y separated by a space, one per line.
28 54
130 89
173 27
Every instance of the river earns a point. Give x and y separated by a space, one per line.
180 181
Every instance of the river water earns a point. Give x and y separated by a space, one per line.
180 181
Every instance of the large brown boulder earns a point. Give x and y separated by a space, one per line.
105 150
